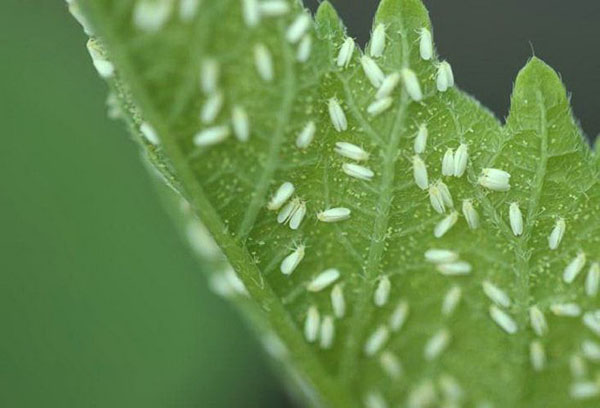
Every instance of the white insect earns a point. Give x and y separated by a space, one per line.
577 366
459 268
188 9
76 13
591 350
420 172
311 324
584 390
574 267
334 214
103 66
591 320
274 346
422 396
374 74
557 234
451 390
382 292
345 55
304 48
297 216
411 84
211 136
445 192
537 355
436 345
495 179
263 62
273 8
399 316
440 256
470 214
337 115
338 303
306 135
502 319
240 123
251 12
391 364
212 108
425 44
538 321
291 262
209 76
461 159
149 133
592 280
436 199
451 300
359 172
375 400
448 163
200 240
566 309
445 77
288 212
376 340
298 28
388 85
495 294
445 225
327 333
421 139
281 196
323 280
351 151
516 219
379 106
378 41
151 15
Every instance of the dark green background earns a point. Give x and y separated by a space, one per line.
101 304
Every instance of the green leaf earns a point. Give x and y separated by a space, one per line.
506 341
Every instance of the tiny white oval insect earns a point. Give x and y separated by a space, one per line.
421 139
240 123
378 41
337 115
345 55
444 77
298 215
411 84
557 234
574 267
327 333
445 225
495 294
298 28
425 44
503 320
445 192
306 135
151 16
439 256
592 280
516 219
470 214
436 199
399 316
149 133
209 75
304 48
281 196
566 309
391 364
538 321
251 12
537 355
338 302
458 268
495 179
273 8
388 85
264 62
379 106
382 292
103 66
448 163
291 262
188 9
461 159
334 214
374 74
436 344
451 300
420 172
211 136
323 280
311 324
359 172
351 151
212 108
376 340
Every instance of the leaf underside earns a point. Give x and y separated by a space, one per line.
227 186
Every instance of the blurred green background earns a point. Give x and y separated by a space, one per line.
101 304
